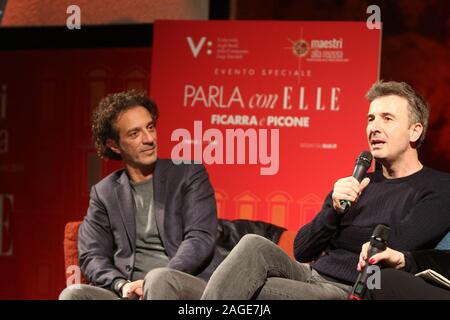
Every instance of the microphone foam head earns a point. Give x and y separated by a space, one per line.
381 232
365 159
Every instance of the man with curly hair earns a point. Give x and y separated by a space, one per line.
150 221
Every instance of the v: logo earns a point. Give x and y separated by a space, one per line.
196 48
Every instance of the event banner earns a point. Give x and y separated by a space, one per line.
276 111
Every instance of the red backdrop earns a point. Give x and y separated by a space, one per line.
204 70
48 162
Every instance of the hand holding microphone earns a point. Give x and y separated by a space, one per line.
377 245
389 257
347 190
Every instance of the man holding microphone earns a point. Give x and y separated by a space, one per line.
413 200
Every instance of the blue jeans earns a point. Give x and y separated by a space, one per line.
258 269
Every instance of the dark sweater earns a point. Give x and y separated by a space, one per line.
416 208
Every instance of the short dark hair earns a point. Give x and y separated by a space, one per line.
106 113
418 107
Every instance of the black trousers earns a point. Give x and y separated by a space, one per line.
401 285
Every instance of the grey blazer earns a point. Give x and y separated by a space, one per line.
186 216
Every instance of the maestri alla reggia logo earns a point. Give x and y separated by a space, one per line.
319 49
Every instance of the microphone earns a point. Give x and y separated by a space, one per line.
378 243
362 164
